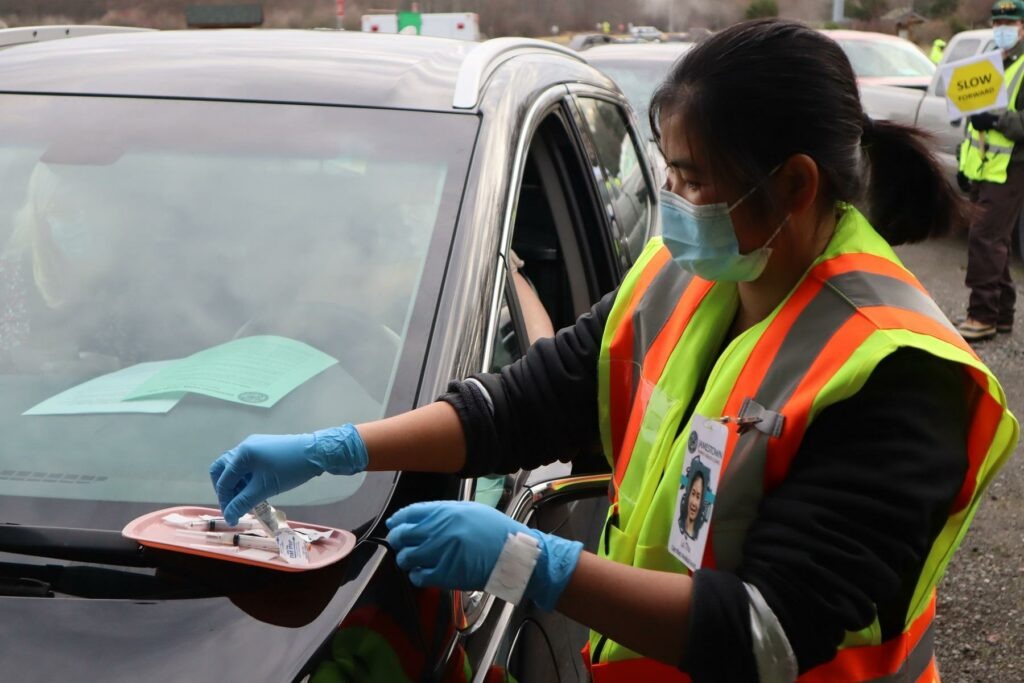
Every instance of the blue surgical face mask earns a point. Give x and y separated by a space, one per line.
1005 36
702 240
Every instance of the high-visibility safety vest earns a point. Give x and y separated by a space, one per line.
854 306
985 155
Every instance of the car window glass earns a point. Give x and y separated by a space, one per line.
190 226
619 172
877 59
508 347
963 49
638 79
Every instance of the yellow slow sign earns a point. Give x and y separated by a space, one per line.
975 86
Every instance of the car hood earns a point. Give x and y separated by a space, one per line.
918 82
255 636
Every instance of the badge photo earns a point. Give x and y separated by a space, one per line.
697 487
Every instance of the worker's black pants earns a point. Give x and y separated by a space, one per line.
989 247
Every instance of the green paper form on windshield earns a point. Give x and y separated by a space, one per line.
255 371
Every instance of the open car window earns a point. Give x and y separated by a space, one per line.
175 275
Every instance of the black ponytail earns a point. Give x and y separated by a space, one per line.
761 91
908 197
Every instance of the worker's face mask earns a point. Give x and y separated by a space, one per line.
1006 37
702 239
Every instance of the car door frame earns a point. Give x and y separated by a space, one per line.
531 493
579 90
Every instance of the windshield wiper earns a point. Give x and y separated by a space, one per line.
23 587
97 546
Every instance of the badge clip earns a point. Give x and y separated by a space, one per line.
753 414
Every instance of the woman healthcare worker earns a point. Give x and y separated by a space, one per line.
770 340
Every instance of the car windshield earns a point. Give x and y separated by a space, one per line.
178 274
638 80
876 59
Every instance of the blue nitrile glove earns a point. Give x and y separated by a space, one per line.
455 545
264 465
986 120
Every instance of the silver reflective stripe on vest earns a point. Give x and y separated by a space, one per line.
1014 85
654 310
917 661
868 289
776 662
985 146
742 484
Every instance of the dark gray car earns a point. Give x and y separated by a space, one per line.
164 193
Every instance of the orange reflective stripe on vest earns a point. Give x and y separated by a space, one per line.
623 378
632 670
905 658
662 342
802 349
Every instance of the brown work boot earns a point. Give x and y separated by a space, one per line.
972 330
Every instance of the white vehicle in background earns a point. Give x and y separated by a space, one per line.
967 44
638 69
883 59
927 109
645 33
459 25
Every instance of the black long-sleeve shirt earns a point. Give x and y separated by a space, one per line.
841 540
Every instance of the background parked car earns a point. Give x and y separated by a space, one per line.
650 33
584 41
927 109
638 69
968 44
882 59
166 192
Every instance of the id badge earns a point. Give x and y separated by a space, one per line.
702 465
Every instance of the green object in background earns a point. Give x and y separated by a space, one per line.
413 20
489 490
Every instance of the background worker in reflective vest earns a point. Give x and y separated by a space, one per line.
992 160
770 342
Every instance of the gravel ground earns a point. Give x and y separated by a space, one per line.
980 635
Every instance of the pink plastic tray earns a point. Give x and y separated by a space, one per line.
150 530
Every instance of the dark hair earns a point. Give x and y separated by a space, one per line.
761 91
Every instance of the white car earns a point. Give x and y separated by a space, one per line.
927 109
645 32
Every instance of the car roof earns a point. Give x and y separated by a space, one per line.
842 34
317 66
973 33
637 51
